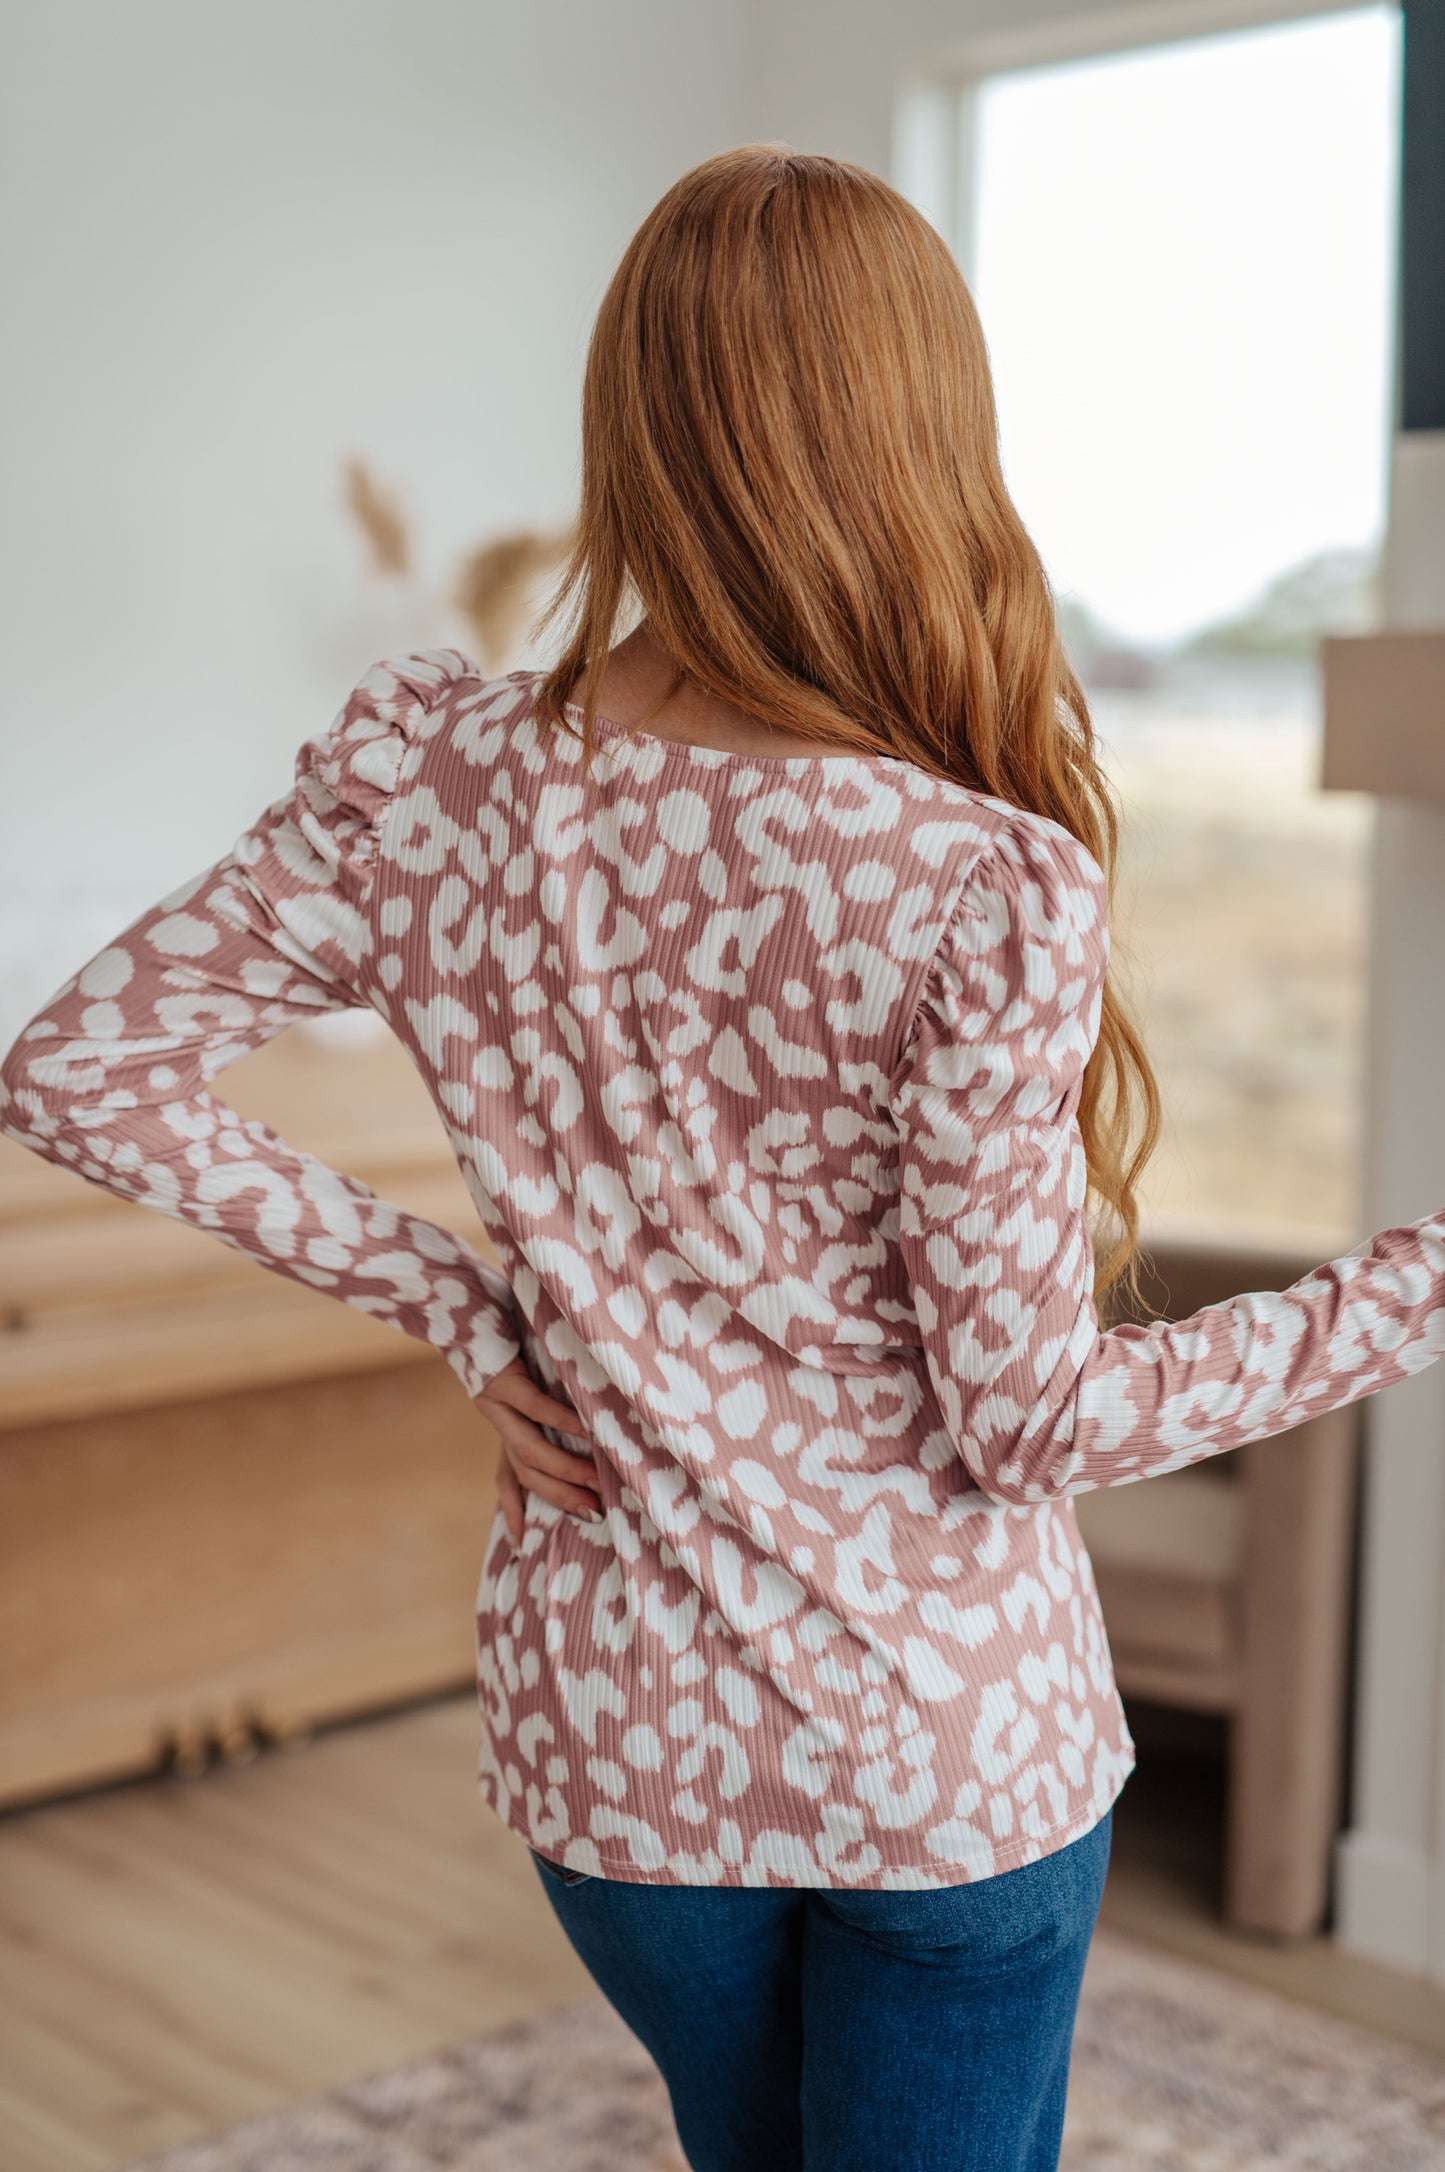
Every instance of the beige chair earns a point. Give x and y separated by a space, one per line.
1226 1588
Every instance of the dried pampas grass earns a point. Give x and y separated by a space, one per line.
497 585
379 516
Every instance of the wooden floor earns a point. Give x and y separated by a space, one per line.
179 1954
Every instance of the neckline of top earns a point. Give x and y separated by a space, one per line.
606 727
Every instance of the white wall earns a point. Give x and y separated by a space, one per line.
240 243
821 73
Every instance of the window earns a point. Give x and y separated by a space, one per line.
1183 258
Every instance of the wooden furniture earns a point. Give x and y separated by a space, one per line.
230 1507
1384 697
1227 1588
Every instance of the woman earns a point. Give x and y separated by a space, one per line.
757 965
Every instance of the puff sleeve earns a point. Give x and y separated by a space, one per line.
992 1228
110 1078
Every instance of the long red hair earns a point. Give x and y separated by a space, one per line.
790 465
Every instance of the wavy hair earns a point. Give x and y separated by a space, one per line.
790 466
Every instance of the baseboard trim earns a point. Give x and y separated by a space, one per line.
1384 1894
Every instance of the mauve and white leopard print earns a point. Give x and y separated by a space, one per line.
763 1075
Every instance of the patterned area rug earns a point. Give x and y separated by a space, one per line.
1176 2069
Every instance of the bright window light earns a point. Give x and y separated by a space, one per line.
1184 259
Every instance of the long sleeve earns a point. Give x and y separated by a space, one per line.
110 1078
1039 1403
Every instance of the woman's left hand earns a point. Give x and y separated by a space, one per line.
517 1408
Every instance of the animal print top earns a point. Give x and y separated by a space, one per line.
763 1074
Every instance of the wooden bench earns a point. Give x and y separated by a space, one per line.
1227 1588
230 1507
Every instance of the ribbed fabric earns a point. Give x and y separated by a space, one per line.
763 1075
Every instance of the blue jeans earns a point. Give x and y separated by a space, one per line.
803 2030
